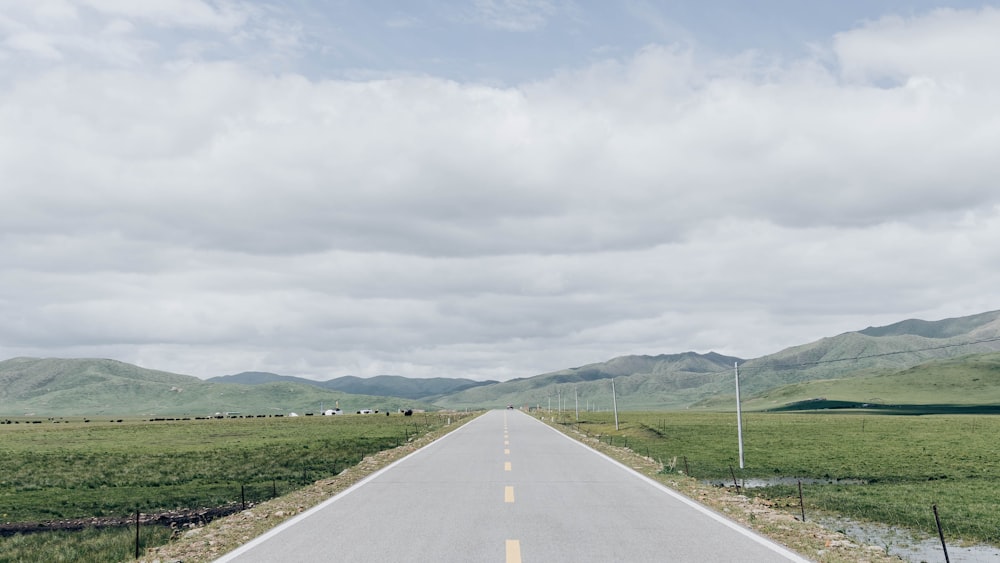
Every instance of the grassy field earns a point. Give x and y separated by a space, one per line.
75 469
87 546
66 469
908 463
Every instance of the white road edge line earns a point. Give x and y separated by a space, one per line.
296 519
776 547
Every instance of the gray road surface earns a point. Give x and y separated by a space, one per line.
508 488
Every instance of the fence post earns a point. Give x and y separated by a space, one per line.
136 534
735 482
937 520
687 470
243 496
802 504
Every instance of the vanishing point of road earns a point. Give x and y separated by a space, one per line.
507 488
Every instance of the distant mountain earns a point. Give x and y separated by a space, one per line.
425 389
57 386
642 382
981 324
965 381
69 387
261 378
668 381
874 350
708 381
398 386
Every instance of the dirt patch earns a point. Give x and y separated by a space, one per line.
173 519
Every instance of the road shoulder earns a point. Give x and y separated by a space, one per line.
808 539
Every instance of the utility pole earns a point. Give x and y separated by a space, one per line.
739 412
614 401
576 397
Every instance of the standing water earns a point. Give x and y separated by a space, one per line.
907 545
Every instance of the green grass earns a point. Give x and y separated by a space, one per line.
87 546
72 470
909 462
967 382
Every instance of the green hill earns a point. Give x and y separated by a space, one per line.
965 381
873 363
641 382
424 389
398 386
68 387
707 381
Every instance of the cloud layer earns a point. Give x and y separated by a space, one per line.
170 199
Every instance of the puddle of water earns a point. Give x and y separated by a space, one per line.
907 545
899 542
757 483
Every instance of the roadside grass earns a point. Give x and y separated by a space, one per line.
73 470
908 463
51 472
85 546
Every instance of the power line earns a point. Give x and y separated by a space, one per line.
884 354
768 367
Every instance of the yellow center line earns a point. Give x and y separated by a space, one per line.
513 551
506 442
506 466
508 494
506 451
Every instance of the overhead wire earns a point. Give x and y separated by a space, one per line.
763 366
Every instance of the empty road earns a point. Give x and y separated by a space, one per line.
506 487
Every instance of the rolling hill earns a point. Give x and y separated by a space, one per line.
888 363
383 385
70 387
873 351
708 381
642 382
966 381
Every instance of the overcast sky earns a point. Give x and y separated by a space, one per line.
488 189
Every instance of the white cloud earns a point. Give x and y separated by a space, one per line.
950 46
513 15
219 16
210 216
96 34
35 44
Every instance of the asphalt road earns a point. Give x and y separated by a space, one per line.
506 487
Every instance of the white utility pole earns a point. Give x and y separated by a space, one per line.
576 397
614 401
739 412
